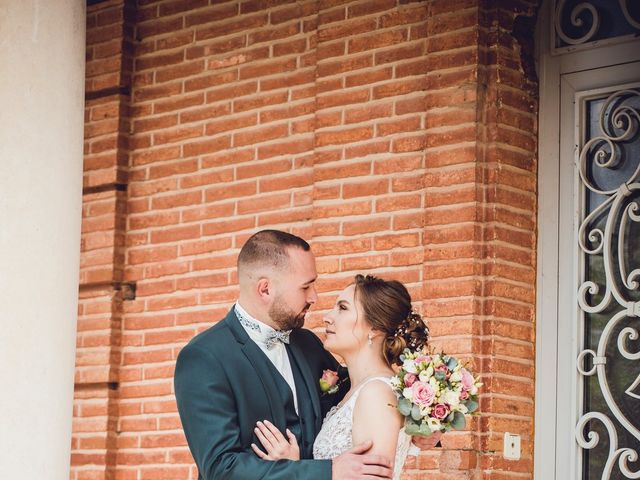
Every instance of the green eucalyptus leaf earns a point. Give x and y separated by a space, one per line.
415 413
411 429
471 405
404 406
458 422
424 430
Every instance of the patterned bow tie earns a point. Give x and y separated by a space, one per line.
271 338
275 336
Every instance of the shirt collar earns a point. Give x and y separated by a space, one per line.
258 331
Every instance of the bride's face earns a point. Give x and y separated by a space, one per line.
346 328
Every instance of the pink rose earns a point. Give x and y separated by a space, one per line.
464 395
440 411
467 379
409 378
423 358
423 393
442 368
329 380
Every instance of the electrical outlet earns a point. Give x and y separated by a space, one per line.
511 449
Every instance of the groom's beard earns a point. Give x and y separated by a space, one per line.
284 317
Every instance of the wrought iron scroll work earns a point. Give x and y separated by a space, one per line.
619 122
587 16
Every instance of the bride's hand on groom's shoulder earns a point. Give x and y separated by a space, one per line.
427 443
356 463
277 447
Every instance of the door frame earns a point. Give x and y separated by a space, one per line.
559 76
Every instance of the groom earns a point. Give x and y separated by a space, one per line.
259 364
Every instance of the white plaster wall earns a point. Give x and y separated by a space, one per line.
42 56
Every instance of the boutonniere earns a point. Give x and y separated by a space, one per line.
329 382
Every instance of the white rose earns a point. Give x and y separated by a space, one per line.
434 424
408 393
395 383
455 377
451 398
410 366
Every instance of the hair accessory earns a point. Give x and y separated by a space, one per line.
411 324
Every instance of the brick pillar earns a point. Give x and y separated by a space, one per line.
41 93
103 289
480 228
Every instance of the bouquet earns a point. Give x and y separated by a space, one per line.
435 392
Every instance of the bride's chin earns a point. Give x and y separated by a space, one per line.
328 344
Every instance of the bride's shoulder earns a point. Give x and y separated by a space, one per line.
376 392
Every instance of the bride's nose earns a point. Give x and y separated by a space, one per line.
326 319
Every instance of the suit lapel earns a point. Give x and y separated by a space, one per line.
261 365
307 375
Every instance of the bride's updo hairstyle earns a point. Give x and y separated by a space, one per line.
386 305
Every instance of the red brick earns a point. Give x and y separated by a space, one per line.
263 169
260 135
175 234
233 123
342 209
369 7
227 28
335 67
342 171
239 190
338 137
300 77
271 68
270 202
377 40
365 189
358 227
361 114
346 29
218 12
208 146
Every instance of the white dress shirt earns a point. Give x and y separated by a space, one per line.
277 354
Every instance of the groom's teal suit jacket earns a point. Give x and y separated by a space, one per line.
224 384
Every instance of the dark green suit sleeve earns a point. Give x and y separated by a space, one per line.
210 421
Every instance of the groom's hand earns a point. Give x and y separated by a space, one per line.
356 464
427 443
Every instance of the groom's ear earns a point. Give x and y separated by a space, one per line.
263 288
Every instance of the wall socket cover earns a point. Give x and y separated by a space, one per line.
511 450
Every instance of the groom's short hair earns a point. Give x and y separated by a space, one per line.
269 247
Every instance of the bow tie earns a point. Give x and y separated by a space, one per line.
273 337
270 338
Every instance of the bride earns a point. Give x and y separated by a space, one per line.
369 327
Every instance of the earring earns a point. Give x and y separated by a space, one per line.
370 337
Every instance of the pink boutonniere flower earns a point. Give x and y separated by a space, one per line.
329 382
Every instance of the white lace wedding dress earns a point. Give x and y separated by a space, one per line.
335 435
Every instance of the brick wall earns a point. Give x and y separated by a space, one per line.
398 137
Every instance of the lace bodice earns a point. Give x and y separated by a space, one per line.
335 435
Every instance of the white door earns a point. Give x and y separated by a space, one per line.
598 361
588 325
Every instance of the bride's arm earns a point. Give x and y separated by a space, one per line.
376 418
